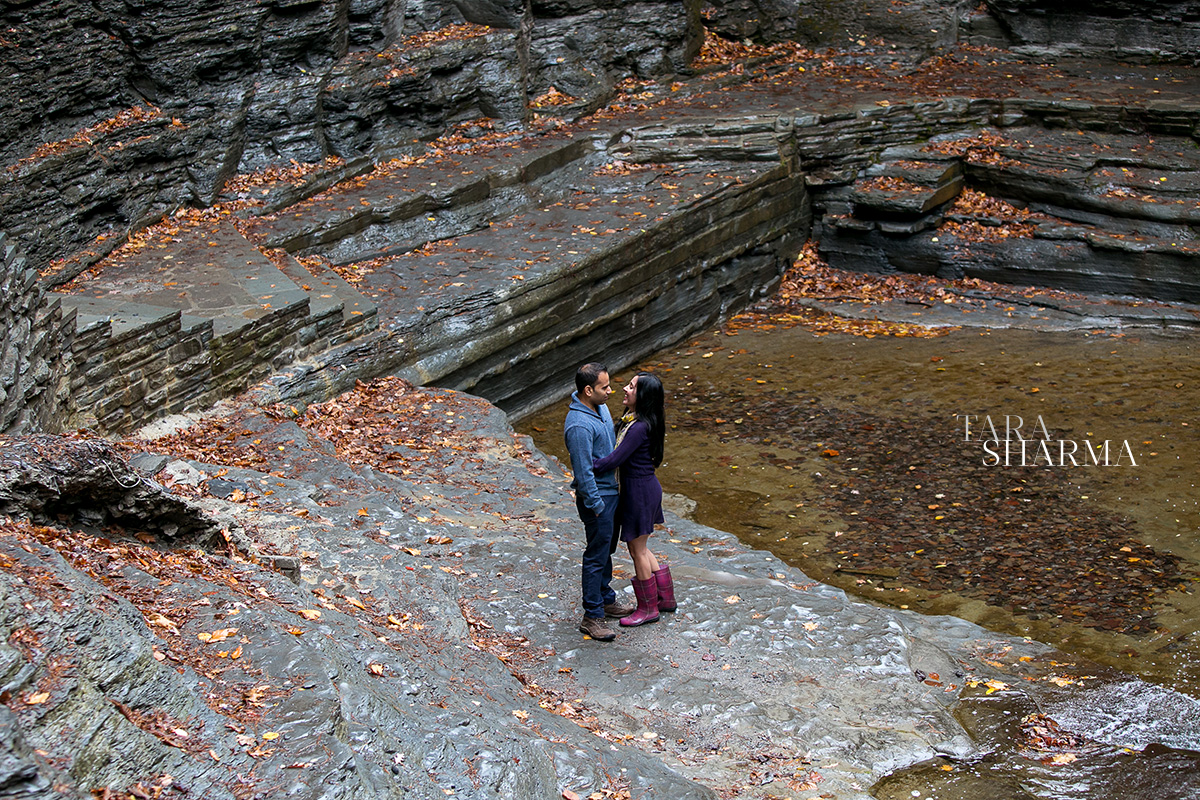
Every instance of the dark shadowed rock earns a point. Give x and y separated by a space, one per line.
222 89
494 13
372 103
49 478
1126 30
925 24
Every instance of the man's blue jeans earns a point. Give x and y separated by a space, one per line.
597 556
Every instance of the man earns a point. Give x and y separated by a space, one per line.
589 434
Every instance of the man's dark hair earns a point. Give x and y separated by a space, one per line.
588 374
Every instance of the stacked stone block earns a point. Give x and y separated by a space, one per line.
123 375
34 335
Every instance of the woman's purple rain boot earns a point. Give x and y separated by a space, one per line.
646 593
666 589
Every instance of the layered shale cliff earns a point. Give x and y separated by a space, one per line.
480 194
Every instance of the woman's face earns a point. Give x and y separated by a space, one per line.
630 399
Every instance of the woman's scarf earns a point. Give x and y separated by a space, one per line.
623 425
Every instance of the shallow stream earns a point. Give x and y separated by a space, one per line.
851 458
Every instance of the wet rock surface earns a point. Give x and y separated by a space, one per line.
394 607
384 600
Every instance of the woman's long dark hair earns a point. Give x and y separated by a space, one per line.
649 409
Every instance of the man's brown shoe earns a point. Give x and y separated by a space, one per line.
596 629
616 609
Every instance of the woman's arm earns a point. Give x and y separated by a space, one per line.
634 438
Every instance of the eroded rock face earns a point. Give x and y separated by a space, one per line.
1125 30
1085 211
34 335
49 478
149 109
819 23
583 49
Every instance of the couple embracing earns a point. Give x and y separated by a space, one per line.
610 511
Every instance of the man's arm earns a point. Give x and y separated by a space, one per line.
579 445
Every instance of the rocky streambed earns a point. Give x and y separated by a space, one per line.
379 595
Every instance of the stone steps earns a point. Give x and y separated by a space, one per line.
327 291
409 202
193 312
555 251
1087 211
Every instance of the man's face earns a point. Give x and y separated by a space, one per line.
597 394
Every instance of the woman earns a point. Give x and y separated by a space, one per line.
639 451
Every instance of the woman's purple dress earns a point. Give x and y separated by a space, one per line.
640 505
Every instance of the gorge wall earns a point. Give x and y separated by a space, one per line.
117 114
1156 31
431 198
243 188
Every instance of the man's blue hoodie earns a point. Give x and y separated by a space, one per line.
590 436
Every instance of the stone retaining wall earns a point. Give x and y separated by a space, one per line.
121 378
35 331
125 375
